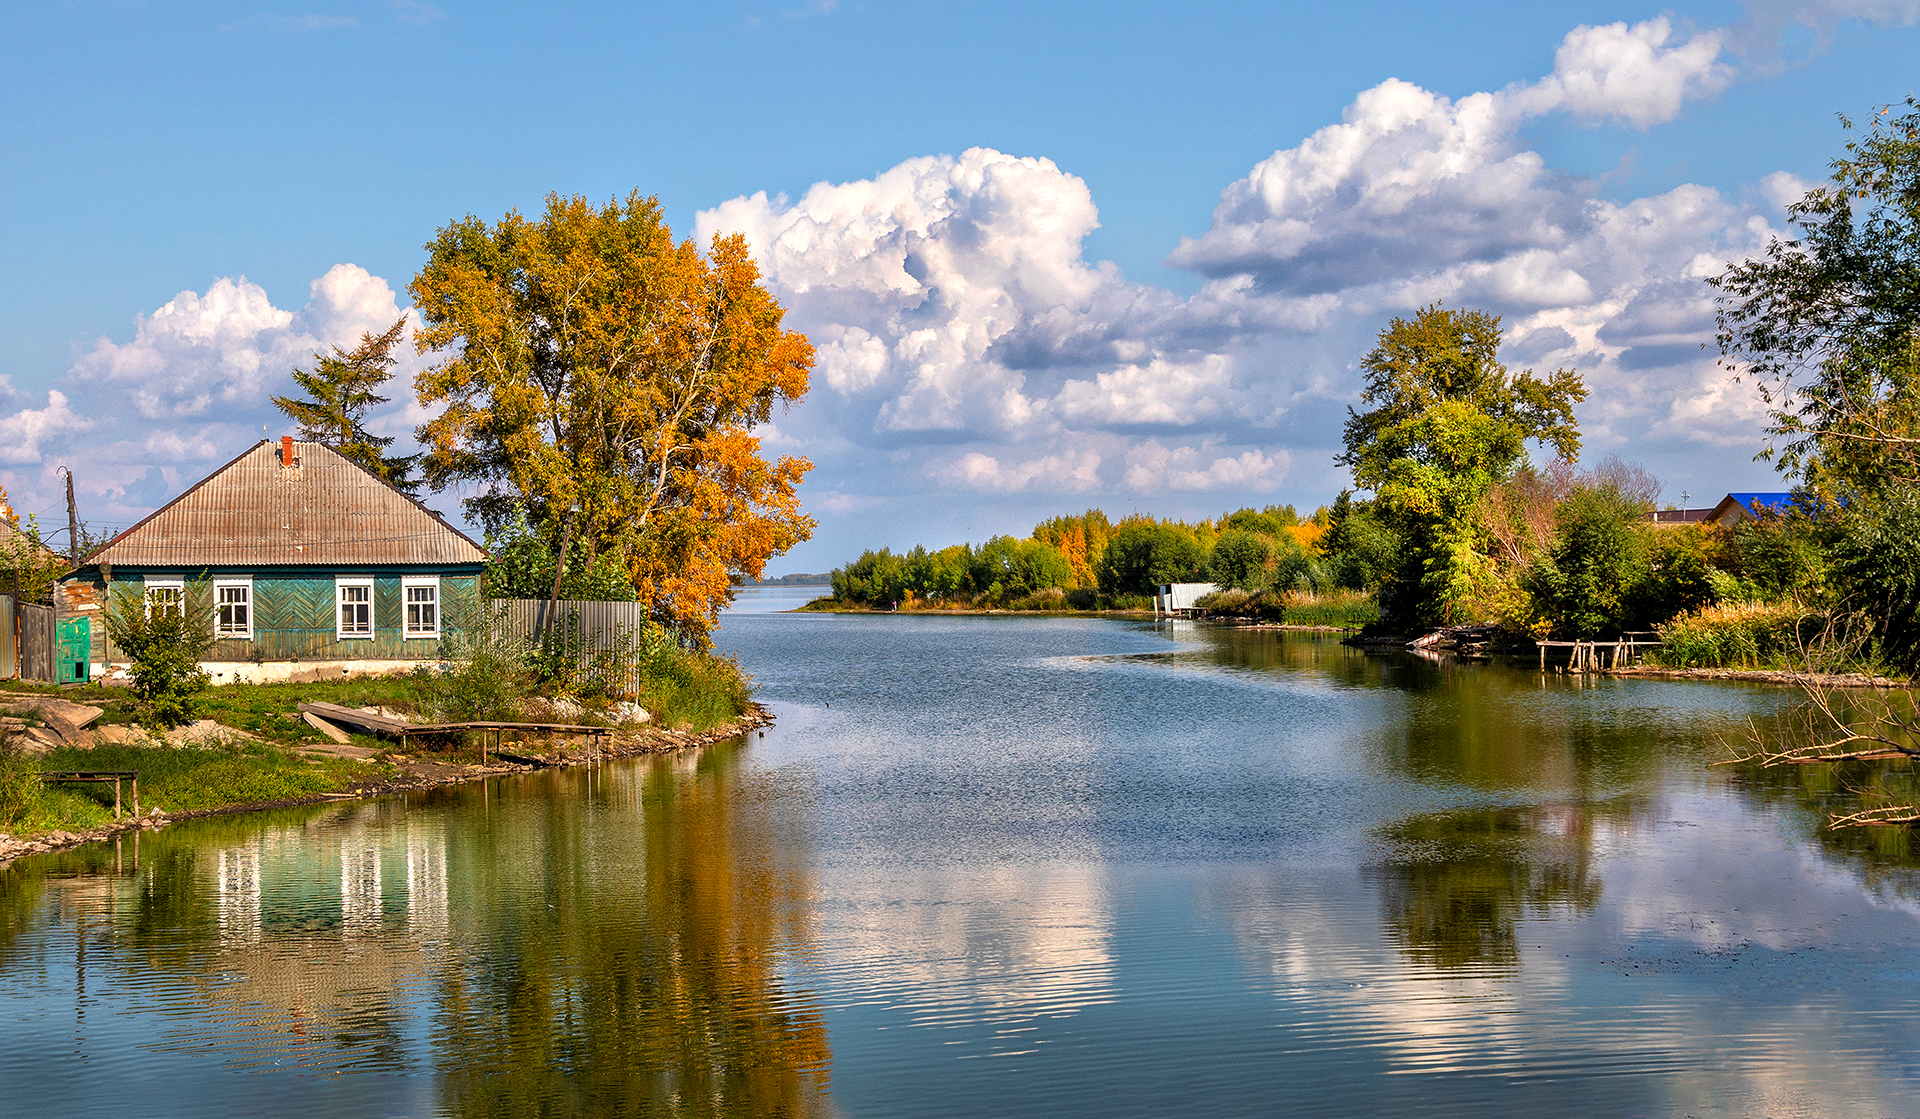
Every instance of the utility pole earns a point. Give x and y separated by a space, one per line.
73 522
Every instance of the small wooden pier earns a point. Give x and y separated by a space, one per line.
100 776
1596 656
395 728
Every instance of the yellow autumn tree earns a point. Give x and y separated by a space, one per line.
606 380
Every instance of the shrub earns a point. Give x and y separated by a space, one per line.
485 674
164 635
1293 608
1053 598
1586 583
688 688
1738 635
1876 570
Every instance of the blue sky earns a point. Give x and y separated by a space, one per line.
1576 168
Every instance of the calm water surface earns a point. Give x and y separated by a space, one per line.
987 866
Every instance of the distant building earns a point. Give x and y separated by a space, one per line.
318 567
1729 511
1178 598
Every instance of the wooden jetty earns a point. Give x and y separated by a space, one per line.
1593 656
397 729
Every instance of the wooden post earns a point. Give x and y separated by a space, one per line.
136 813
116 796
73 523
1543 657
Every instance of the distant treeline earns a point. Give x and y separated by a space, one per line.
1087 561
796 580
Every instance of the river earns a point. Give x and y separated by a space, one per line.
1016 866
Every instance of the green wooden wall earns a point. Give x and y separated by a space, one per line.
293 619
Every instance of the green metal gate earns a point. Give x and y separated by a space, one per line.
73 650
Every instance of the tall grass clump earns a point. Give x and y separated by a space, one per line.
690 688
21 792
1734 635
1333 607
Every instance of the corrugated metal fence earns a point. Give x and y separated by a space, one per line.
597 633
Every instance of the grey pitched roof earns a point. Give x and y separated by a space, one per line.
324 510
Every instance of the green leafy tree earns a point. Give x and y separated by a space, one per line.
1876 564
1142 554
1827 324
1007 568
1589 582
1780 555
341 389
1242 558
1445 422
1362 552
164 633
520 565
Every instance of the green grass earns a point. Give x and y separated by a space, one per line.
173 779
269 711
690 690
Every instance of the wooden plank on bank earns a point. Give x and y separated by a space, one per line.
376 724
394 728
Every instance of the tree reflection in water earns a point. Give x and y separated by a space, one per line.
1454 885
649 982
608 942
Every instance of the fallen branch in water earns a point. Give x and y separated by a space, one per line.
1877 817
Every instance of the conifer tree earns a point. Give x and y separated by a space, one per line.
341 390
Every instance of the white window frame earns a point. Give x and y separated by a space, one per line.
220 585
340 583
174 583
407 630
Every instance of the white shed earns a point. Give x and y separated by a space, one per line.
1178 598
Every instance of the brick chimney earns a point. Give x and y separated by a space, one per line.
286 450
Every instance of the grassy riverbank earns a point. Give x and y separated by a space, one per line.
252 746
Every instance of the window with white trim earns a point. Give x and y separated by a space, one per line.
353 608
165 595
233 608
421 595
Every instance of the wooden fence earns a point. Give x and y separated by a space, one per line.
600 635
36 642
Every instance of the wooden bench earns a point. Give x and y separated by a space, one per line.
100 776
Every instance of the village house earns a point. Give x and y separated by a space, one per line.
1728 511
318 568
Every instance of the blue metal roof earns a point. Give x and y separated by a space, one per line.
1758 501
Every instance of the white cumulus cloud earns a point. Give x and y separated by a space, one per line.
1638 74
192 387
1152 468
23 432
